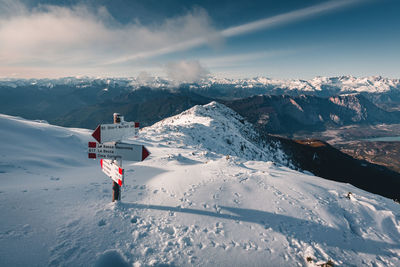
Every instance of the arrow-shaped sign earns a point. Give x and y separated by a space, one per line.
112 170
113 150
115 132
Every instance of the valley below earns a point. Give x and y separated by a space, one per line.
381 153
364 142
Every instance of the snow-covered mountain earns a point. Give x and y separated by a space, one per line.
187 204
331 85
341 84
79 82
217 129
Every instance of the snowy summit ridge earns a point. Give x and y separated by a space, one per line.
217 129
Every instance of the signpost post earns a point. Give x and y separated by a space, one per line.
111 150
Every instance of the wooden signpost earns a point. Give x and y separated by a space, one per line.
115 132
111 150
112 170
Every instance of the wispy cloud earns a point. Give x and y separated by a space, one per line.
75 37
69 36
270 22
287 17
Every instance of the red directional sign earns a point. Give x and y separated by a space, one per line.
113 150
112 170
115 132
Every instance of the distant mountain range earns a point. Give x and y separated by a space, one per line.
284 107
317 85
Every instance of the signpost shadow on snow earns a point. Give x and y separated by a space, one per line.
307 231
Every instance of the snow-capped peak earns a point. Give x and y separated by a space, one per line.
217 129
372 84
339 84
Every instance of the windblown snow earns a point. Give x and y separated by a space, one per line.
211 193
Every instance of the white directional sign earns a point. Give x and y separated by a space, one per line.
113 150
112 170
115 132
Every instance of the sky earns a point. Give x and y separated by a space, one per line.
190 40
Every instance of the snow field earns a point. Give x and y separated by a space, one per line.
187 204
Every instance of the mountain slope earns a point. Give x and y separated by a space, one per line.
23 142
50 101
330 163
188 204
286 114
218 129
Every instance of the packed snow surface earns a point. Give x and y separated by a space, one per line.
197 200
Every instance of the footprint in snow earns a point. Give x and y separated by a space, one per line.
72 223
134 219
217 209
185 242
111 258
168 230
200 245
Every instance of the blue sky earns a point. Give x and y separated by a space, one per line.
234 39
